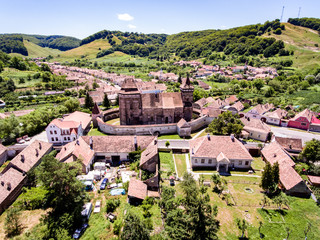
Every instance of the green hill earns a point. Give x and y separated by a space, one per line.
36 51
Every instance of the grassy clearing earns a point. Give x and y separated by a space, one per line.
35 50
166 162
258 164
115 121
96 132
181 164
15 75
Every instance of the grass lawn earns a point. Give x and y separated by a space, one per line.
171 136
166 162
96 132
258 164
3 166
115 121
181 164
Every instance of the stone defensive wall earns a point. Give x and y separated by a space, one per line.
160 129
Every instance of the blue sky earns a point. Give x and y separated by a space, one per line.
81 18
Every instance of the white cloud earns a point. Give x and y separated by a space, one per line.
132 26
125 17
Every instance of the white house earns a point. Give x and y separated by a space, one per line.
259 110
61 131
275 116
220 152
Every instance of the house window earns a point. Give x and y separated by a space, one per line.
202 160
55 132
52 139
240 162
56 139
196 160
210 161
247 163
303 124
74 138
65 138
250 134
50 132
69 138
258 136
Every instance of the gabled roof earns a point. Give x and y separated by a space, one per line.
305 113
222 158
137 189
261 109
78 149
278 114
253 124
238 105
129 85
31 155
232 149
274 153
201 102
183 123
231 99
118 144
150 152
314 179
9 182
96 109
290 143
80 117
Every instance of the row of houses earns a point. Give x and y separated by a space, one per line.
14 175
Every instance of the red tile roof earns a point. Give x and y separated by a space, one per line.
137 189
11 178
149 153
202 147
253 124
31 155
274 153
314 179
290 143
305 113
81 117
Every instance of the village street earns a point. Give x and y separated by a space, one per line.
294 133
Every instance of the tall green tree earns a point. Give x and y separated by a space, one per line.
311 151
134 228
65 195
88 101
106 102
270 178
72 104
242 225
12 223
225 124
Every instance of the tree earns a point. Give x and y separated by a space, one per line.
88 101
65 195
167 144
264 201
12 223
72 104
260 226
134 228
95 85
270 178
242 225
1 66
280 199
258 83
106 101
226 124
311 151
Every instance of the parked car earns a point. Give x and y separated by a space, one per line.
104 181
97 207
77 234
102 186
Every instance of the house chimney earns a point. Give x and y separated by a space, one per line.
192 151
8 186
135 143
91 143
40 145
2 183
208 136
22 158
77 142
37 153
275 155
232 137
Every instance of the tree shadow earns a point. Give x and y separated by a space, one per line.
243 238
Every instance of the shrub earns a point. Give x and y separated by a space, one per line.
112 204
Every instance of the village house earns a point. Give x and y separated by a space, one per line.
219 152
302 120
259 110
255 129
14 176
11 183
3 154
290 180
204 85
235 108
293 146
138 190
314 180
110 149
275 117
61 131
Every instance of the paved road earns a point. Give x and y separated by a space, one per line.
293 133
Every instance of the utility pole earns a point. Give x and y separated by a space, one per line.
299 12
282 14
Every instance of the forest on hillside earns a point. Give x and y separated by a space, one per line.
244 40
13 44
313 23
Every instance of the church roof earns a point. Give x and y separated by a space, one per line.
129 85
161 100
186 84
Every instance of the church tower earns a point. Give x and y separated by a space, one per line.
130 105
96 112
186 90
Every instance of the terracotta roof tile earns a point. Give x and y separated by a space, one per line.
290 143
31 155
202 147
137 189
255 124
314 179
149 153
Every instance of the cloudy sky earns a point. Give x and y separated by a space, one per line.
81 18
